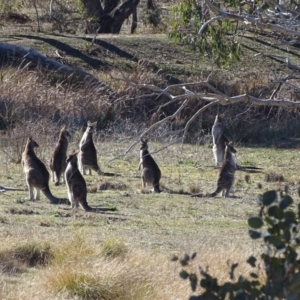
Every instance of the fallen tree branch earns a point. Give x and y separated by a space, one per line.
10 53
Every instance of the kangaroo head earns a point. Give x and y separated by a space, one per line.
72 158
229 147
64 131
91 126
32 143
218 119
144 144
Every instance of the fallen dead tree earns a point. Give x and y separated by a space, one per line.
28 57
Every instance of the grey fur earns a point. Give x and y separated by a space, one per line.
151 173
87 156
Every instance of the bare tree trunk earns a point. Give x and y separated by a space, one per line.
109 16
113 22
151 5
134 21
95 11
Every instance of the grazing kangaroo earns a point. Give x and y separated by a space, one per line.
58 162
226 175
87 156
37 175
76 184
150 171
218 140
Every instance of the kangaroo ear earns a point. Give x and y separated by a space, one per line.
63 128
89 123
93 124
230 143
30 138
226 143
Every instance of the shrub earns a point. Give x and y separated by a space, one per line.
277 225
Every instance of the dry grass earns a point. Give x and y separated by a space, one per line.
85 273
128 252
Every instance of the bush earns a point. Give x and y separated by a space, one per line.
277 225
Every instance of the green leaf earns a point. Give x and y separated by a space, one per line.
286 202
184 274
251 261
255 222
290 216
269 197
295 283
276 212
287 235
194 281
276 242
254 234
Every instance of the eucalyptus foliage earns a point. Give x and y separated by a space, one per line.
214 27
277 225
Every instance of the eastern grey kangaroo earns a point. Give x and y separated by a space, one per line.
37 175
87 156
58 162
150 171
218 140
76 184
226 175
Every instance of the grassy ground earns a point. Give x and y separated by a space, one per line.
146 228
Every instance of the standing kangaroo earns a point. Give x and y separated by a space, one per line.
37 175
219 140
219 144
58 162
150 171
76 184
87 156
226 175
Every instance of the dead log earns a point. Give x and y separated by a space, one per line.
11 54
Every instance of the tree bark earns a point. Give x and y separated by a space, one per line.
134 21
25 56
95 11
112 22
110 16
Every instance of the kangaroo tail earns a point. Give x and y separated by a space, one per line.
87 208
215 193
246 168
156 187
198 195
6 188
54 200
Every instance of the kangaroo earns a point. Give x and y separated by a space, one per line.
219 144
87 156
76 184
37 175
58 162
150 171
226 175
219 140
